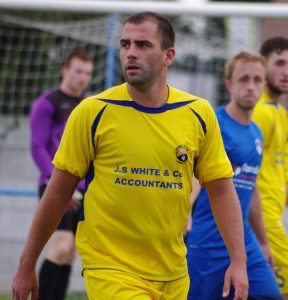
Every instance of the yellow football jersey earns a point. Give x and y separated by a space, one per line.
272 119
138 163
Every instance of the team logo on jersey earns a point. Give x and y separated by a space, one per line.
259 147
182 154
237 171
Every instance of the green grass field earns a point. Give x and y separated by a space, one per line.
72 296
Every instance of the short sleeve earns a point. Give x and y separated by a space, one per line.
212 162
76 150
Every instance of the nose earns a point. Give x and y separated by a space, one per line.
84 78
250 85
132 51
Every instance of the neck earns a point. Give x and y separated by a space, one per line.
240 115
68 91
149 97
272 95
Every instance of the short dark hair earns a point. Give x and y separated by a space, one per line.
275 44
164 26
78 53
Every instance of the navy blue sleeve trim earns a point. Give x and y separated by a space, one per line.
95 124
90 174
88 179
271 103
203 124
133 104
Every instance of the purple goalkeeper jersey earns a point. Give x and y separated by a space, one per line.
48 117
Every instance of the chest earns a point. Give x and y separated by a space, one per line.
162 138
244 147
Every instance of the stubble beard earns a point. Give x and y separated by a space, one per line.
247 107
274 88
139 81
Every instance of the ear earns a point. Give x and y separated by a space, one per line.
63 71
169 56
228 84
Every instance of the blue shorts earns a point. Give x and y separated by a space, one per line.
207 277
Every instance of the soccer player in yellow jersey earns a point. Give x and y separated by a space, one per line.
272 179
137 145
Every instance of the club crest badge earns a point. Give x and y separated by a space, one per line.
182 154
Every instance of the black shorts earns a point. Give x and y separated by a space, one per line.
70 219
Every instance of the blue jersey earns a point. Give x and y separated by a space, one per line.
243 145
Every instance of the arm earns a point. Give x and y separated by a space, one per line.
195 191
41 121
227 213
256 222
196 187
48 215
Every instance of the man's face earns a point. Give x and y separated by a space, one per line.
246 84
141 56
277 72
77 75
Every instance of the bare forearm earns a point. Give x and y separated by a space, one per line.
227 213
48 215
195 191
44 224
256 218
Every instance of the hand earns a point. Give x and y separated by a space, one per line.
268 254
236 275
75 203
24 284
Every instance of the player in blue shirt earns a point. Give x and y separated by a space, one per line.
207 254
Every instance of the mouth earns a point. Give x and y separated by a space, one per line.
284 82
250 96
251 99
132 67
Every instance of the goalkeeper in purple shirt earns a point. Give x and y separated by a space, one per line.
48 117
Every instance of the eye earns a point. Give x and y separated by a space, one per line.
244 79
280 63
258 80
143 44
124 44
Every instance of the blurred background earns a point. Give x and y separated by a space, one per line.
35 37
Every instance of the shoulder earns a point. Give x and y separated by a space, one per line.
90 105
226 123
176 95
265 106
282 110
220 112
43 102
118 92
256 128
47 95
93 105
264 111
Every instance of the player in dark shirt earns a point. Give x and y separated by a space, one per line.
48 117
